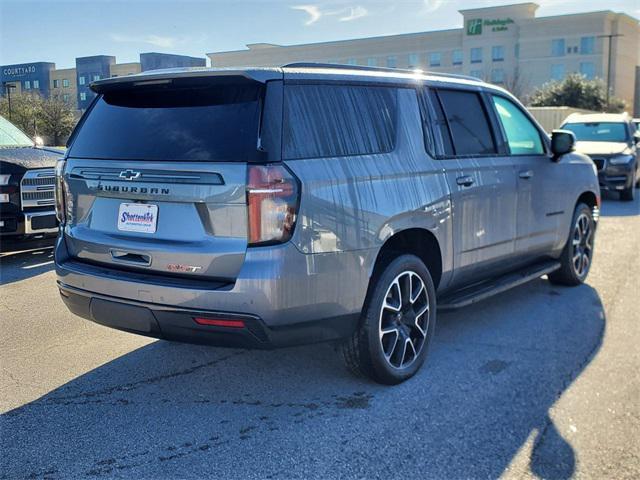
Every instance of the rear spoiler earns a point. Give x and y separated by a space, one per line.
184 75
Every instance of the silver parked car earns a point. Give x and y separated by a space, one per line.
271 207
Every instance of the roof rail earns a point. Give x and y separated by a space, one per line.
376 69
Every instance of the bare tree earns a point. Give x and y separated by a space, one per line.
517 84
56 118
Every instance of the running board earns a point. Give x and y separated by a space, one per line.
475 293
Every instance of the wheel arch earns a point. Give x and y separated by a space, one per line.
592 200
416 241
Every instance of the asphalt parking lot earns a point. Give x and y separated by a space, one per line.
541 381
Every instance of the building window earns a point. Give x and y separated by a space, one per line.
413 60
56 83
497 75
588 69
97 77
65 83
392 62
36 84
81 80
456 58
476 55
557 47
497 53
557 71
27 85
435 59
65 97
587 45
477 74
372 62
83 96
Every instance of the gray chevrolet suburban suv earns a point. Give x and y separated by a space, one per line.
270 207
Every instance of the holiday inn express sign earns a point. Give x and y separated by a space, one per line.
474 26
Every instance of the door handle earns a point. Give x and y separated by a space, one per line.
465 181
526 174
129 257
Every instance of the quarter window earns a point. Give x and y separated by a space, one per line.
468 122
522 135
334 121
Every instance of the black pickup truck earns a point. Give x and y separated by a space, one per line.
27 185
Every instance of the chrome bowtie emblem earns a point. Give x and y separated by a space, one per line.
129 174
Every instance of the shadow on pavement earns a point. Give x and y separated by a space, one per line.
612 206
173 410
18 266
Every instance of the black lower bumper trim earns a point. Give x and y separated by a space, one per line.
177 324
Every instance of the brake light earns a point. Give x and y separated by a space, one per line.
272 201
60 192
219 322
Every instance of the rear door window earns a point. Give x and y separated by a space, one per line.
187 124
338 120
468 123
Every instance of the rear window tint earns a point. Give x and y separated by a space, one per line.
468 122
441 124
189 124
334 121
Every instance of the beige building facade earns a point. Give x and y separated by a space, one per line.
507 45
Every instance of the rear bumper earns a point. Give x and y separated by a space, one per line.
291 297
178 324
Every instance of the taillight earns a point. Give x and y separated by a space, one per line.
272 201
60 192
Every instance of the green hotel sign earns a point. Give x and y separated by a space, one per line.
475 25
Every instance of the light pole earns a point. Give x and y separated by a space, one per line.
8 86
610 37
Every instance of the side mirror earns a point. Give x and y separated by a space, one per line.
562 142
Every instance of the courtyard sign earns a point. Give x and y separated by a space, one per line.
474 26
18 71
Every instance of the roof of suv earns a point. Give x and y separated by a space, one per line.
598 117
292 71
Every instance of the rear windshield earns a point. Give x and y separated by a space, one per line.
189 124
598 131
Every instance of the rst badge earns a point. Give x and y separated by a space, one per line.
137 217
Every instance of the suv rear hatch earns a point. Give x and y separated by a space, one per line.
156 175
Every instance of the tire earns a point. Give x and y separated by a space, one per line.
402 302
628 194
577 255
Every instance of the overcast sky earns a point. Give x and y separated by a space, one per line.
60 31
